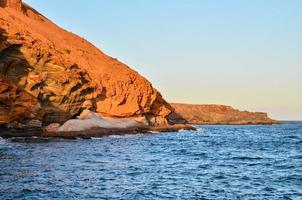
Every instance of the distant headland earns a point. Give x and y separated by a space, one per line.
218 114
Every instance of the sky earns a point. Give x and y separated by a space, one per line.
243 53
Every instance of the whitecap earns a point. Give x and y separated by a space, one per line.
2 141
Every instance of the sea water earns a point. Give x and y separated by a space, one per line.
215 162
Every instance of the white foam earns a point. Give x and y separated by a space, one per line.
126 136
2 141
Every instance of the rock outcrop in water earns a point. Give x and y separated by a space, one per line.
217 114
60 74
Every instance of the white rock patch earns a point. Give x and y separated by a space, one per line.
88 120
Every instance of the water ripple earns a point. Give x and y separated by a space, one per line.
216 162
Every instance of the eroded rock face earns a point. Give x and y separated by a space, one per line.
61 90
66 74
217 114
15 104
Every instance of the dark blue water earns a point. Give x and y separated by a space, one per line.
217 162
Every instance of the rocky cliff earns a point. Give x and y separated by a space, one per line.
59 74
15 103
217 114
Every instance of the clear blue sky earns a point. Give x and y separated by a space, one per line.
245 53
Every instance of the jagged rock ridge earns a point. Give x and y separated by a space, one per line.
66 74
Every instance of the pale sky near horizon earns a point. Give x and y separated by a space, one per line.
243 53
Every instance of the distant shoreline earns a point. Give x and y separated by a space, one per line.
207 114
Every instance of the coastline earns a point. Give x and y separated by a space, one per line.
58 84
7 133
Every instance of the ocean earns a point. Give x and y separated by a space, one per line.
215 162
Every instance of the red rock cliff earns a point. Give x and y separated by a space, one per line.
66 73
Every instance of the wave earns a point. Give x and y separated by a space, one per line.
127 135
2 141
246 158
